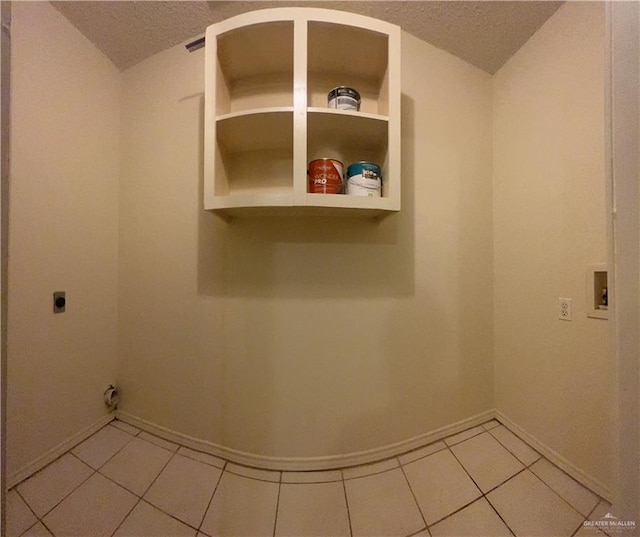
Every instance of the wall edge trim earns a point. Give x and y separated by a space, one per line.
554 457
47 458
301 464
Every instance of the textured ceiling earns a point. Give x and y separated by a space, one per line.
483 33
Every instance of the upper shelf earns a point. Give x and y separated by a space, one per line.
346 51
255 67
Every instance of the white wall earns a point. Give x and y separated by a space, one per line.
215 334
552 377
63 232
303 338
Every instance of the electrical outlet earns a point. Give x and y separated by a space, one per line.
564 312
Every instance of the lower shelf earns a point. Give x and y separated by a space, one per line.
301 210
250 205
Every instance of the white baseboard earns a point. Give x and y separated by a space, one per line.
293 464
561 462
51 455
298 464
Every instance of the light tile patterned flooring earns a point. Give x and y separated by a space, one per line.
122 482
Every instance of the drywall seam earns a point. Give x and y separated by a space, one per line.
299 464
51 455
553 456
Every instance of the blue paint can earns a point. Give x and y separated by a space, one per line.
364 179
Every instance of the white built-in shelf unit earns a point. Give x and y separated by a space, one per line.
268 74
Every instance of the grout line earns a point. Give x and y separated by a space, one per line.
419 532
116 419
120 484
250 477
126 516
69 451
593 510
484 425
145 491
523 469
413 495
116 452
495 510
423 456
26 502
47 527
93 472
215 489
499 516
74 446
33 526
30 528
462 508
556 493
346 501
76 457
483 430
310 482
510 451
579 528
591 514
275 520
541 457
139 497
600 498
187 456
465 470
123 486
142 500
173 454
367 475
164 444
483 495
370 464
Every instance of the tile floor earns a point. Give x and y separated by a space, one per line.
125 482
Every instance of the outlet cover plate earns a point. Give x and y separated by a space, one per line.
564 309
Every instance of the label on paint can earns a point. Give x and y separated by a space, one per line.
325 176
343 98
364 179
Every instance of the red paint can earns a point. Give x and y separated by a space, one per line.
325 176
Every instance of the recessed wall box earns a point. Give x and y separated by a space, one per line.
597 291
59 301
